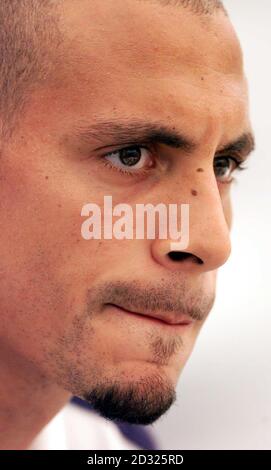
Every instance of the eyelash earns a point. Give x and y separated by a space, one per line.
236 159
239 166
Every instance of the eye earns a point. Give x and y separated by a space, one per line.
133 159
224 168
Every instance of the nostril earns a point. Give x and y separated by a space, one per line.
182 255
178 255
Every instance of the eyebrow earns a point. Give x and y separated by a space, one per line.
134 131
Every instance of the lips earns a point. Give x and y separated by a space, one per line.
171 318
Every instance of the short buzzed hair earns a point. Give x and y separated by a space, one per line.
28 35
29 41
198 7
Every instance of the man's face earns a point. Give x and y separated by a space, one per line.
123 61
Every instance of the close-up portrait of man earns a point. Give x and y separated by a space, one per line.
132 102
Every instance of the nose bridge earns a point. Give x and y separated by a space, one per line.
209 243
209 231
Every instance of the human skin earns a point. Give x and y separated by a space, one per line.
58 338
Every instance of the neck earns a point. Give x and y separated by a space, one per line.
28 401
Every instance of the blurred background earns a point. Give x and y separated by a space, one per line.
224 392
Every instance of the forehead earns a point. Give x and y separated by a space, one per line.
147 60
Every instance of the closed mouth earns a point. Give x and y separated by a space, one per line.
171 318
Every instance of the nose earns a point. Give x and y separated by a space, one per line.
209 244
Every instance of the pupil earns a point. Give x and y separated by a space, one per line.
130 156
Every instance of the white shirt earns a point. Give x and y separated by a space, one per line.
74 428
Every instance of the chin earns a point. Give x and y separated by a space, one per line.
142 400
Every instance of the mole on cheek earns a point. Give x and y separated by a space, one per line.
200 170
194 192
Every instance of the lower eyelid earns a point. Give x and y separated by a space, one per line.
227 182
107 164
